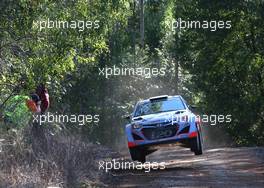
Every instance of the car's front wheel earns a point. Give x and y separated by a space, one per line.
138 154
197 145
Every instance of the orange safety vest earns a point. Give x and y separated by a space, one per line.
31 105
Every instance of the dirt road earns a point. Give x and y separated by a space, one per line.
223 167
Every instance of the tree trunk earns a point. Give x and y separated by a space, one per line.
176 76
142 23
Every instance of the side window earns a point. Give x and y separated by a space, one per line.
137 110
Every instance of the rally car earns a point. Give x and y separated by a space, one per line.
162 120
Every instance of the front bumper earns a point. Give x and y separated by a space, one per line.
181 139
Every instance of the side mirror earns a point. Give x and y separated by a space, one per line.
192 106
127 117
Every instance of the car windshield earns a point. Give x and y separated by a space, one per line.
158 106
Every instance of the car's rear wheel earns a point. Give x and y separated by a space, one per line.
197 145
138 154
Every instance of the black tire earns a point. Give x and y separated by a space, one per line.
137 155
197 145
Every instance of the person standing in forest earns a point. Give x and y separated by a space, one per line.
33 103
43 94
39 140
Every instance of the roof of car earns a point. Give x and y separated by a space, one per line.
159 97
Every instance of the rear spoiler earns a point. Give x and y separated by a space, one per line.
158 97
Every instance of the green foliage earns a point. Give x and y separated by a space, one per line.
222 70
227 65
16 112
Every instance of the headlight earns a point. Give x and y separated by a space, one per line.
136 126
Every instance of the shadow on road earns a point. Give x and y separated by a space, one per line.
222 167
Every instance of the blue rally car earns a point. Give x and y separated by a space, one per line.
162 120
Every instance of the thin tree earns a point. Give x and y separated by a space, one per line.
141 4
